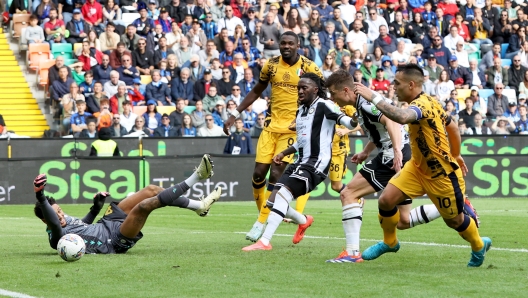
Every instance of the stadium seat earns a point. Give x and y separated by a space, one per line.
77 47
43 71
69 62
475 55
128 18
463 94
504 48
485 93
510 94
506 62
166 109
38 52
145 79
22 42
62 49
20 20
485 48
189 109
140 110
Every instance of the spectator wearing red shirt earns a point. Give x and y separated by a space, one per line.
92 13
137 98
120 96
117 54
380 84
90 56
54 28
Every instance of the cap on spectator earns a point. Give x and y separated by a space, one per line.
426 73
105 133
194 58
195 21
76 11
163 9
220 103
207 71
431 56
418 47
522 96
512 104
152 2
251 9
475 88
151 102
137 81
379 70
277 5
368 58
453 58
391 1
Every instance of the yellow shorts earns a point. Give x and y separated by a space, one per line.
337 167
446 193
271 144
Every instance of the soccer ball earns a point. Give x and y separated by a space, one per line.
71 247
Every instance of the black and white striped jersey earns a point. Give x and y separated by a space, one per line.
369 118
315 130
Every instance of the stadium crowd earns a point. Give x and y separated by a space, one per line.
202 57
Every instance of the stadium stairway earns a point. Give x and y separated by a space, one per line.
18 106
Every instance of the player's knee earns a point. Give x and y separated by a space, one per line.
455 222
154 189
275 175
403 224
259 175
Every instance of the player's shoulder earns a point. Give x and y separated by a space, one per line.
274 61
308 65
349 110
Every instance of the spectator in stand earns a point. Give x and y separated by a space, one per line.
34 33
198 115
172 67
503 126
523 86
250 54
347 65
400 53
293 21
270 36
497 74
112 13
182 87
440 52
516 73
207 55
221 39
502 28
468 114
201 87
491 10
328 36
86 87
184 53
225 85
219 113
274 9
218 10
237 67
328 68
339 51
92 13
110 87
341 25
127 72
398 28
109 39
385 41
158 91
54 28
127 117
210 129
162 52
479 28
195 68
444 86
452 39
463 55
523 54
77 27
230 21
41 9
139 125
210 99
379 83
152 117
451 111
164 20
152 9
136 93
187 129
227 56
314 23
428 86
69 106
92 101
247 83
479 104
176 116
239 142
61 86
478 78
117 130
427 41
325 10
460 76
196 37
234 96
102 71
174 37
256 129
209 26
90 132
512 113
374 24
154 36
104 116
89 56
166 130
315 51
187 24
79 120
417 29
489 57
142 59
120 96
516 41
442 22
131 39
479 128
116 56
497 102
521 125
368 69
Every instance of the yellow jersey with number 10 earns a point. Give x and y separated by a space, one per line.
341 145
283 79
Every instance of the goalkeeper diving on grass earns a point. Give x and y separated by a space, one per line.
120 227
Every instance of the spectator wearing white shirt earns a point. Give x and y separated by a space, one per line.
110 87
210 129
463 55
127 118
356 39
348 12
230 22
452 39
374 22
400 54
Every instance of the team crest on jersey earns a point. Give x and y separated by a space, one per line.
311 110
286 76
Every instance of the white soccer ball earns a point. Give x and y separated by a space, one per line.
71 247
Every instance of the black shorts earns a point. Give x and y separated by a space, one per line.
300 179
113 219
378 170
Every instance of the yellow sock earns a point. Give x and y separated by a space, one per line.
264 210
259 189
470 233
388 222
301 202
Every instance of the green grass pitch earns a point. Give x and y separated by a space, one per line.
183 255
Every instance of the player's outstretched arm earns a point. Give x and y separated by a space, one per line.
333 113
453 134
51 218
98 203
402 116
360 157
394 130
248 100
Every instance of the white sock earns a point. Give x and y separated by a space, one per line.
280 208
297 217
192 179
352 220
194 204
423 214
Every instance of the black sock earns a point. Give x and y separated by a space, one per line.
172 196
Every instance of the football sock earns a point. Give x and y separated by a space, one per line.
264 210
297 217
279 211
259 190
172 196
301 202
388 222
192 179
352 220
469 231
423 214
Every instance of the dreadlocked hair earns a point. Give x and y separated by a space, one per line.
319 82
38 211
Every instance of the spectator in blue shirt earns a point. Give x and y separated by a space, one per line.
61 86
187 129
158 91
512 112
522 124
86 87
325 10
251 54
227 56
239 142
127 72
79 120
182 87
101 72
209 26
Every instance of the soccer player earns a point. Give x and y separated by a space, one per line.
393 151
283 72
315 125
436 167
120 228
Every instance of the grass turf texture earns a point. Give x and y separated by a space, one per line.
183 255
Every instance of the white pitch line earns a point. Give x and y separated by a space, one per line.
14 294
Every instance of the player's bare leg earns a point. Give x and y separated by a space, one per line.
131 201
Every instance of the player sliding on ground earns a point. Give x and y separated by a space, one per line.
315 126
283 73
120 228
436 167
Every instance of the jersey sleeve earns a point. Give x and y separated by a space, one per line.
54 227
312 67
266 72
371 111
421 108
333 112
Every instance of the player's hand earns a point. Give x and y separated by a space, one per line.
341 132
228 123
397 161
293 126
278 158
359 158
462 165
40 182
99 199
363 91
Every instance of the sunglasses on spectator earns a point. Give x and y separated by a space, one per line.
236 89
